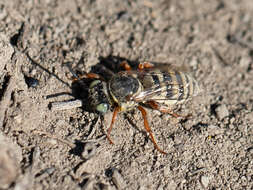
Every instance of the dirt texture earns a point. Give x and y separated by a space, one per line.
43 148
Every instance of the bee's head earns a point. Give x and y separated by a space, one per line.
99 99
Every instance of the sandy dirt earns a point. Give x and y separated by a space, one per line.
68 149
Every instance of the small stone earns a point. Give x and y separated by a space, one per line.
118 179
237 144
194 62
232 120
105 187
141 188
52 141
243 128
89 150
89 185
215 130
167 171
245 61
160 187
198 152
31 82
244 180
204 180
33 72
212 127
50 171
172 185
250 150
18 119
249 117
222 111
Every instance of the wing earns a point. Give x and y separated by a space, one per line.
161 85
164 91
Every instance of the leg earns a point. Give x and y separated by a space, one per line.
141 66
91 76
126 66
145 65
156 106
115 112
88 76
144 115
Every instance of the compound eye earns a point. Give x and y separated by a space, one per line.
102 108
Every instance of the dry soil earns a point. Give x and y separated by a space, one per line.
67 149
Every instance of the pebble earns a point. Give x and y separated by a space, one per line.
250 150
215 130
204 180
172 185
18 119
249 117
167 171
89 150
31 82
245 61
118 179
160 187
89 185
222 111
194 62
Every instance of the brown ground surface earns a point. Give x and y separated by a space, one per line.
44 149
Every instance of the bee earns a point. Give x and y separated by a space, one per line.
158 87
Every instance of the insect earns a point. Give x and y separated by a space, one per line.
156 87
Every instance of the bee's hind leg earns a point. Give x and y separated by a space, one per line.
145 65
141 66
156 106
148 129
125 65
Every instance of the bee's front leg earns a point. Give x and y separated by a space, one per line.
77 77
115 112
88 76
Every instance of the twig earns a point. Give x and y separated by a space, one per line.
6 100
94 128
65 105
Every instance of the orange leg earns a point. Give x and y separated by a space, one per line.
126 66
92 76
157 106
115 112
89 76
148 129
145 65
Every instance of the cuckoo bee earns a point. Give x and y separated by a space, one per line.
158 87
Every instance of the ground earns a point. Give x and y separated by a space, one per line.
67 149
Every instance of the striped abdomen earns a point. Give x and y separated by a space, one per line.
172 87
